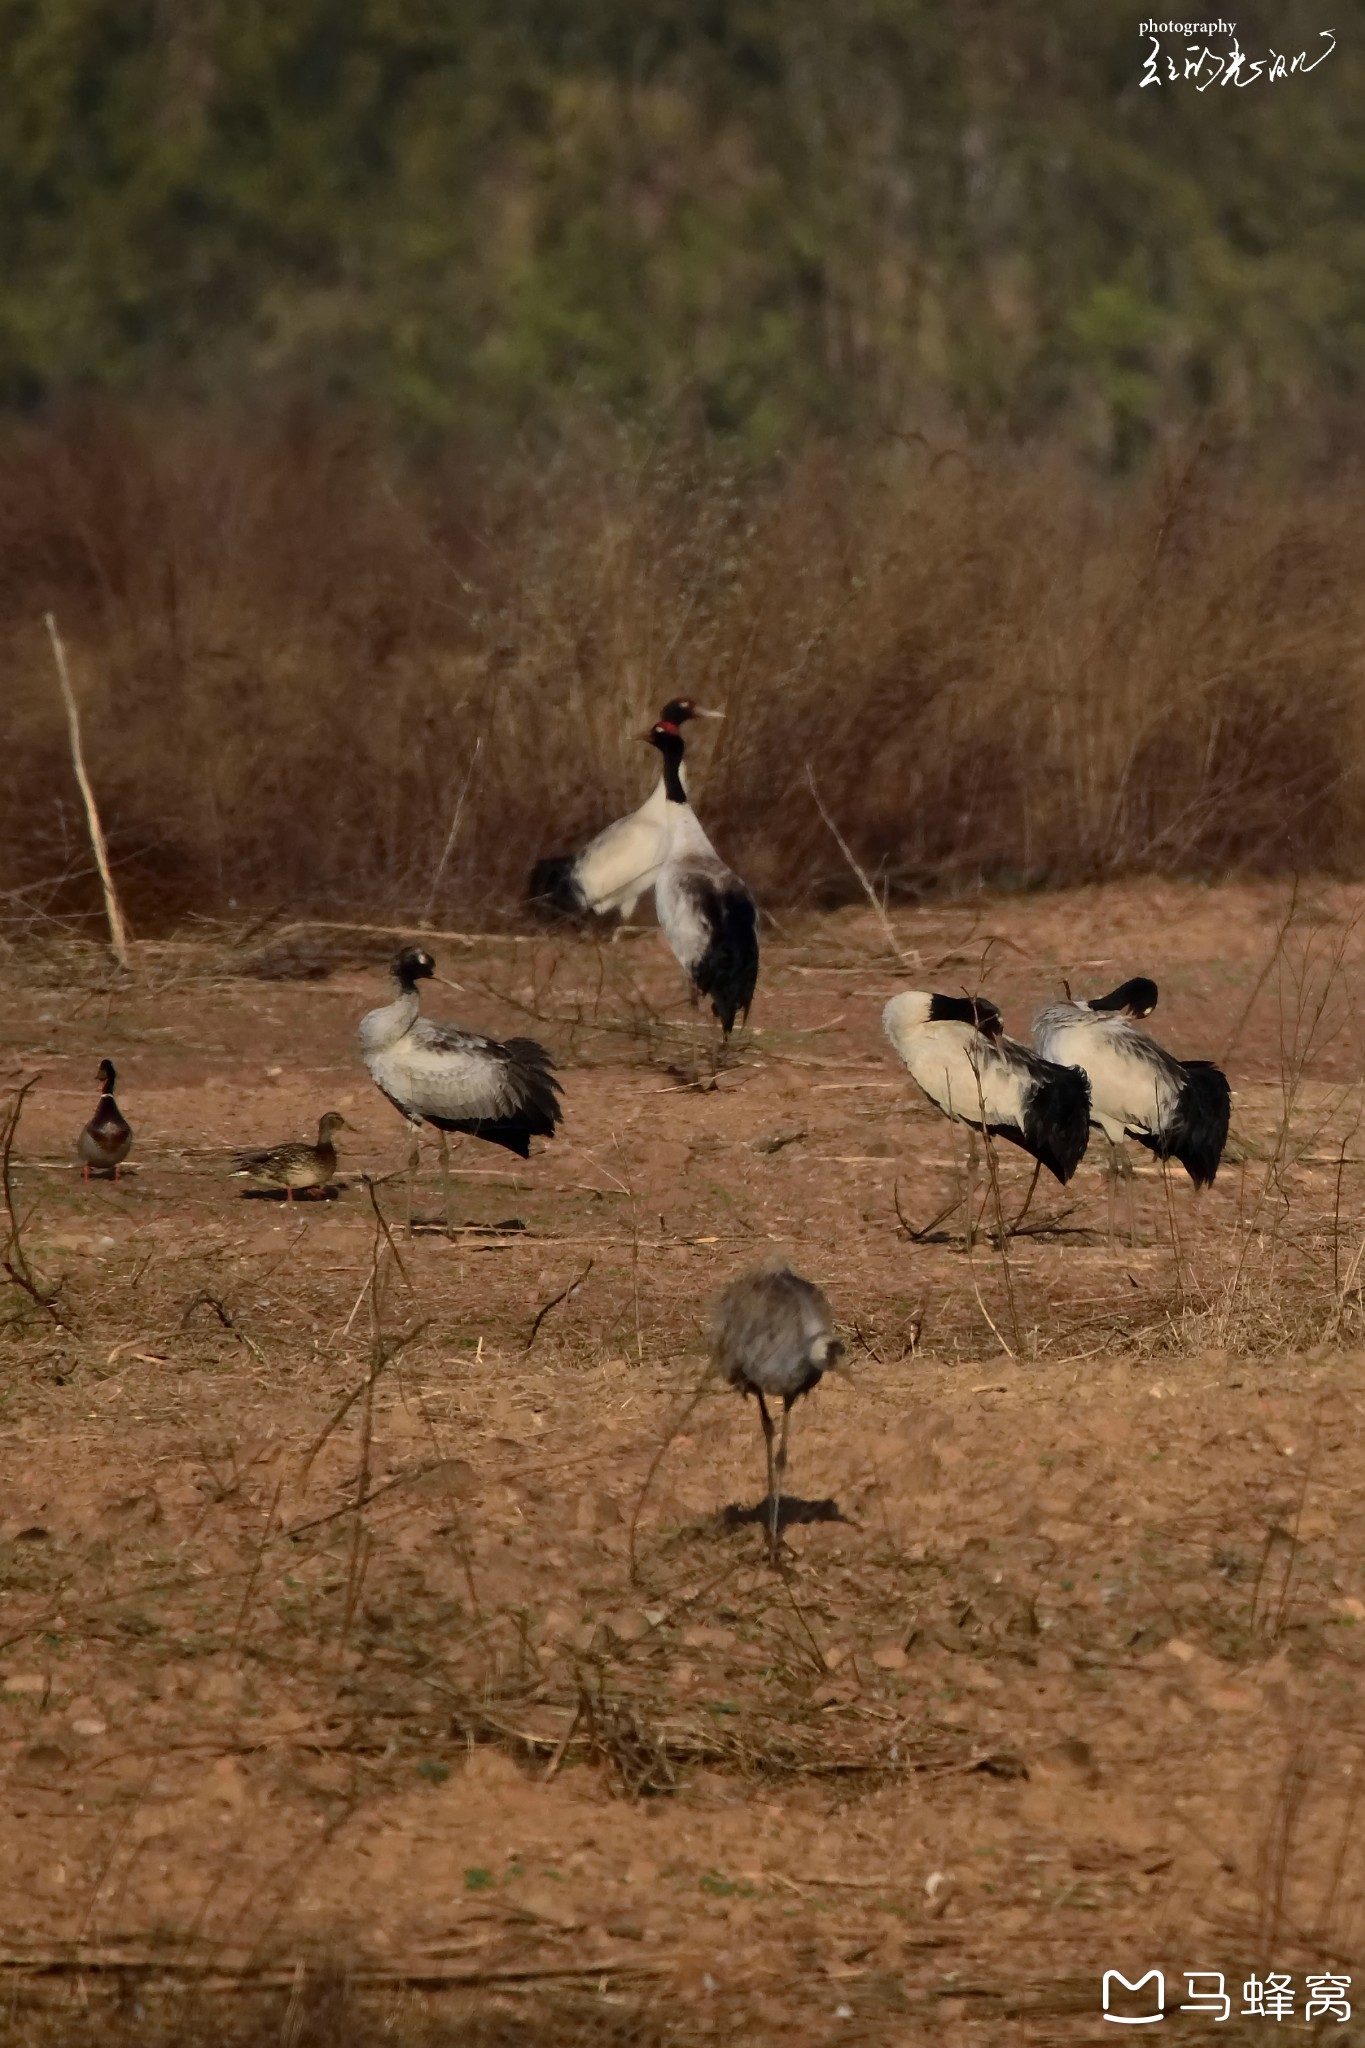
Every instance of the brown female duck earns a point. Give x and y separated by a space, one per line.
298 1165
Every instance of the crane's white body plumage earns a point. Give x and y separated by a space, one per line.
615 869
622 863
975 1075
1178 1109
1134 1082
706 913
501 1091
434 1073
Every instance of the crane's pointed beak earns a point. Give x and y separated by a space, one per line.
446 982
700 711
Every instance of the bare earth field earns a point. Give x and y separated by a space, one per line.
358 1620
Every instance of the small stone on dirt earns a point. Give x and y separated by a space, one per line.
32 1683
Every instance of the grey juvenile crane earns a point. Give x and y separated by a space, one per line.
103 1145
500 1090
772 1334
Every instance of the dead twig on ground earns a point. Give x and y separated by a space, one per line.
15 1259
564 1294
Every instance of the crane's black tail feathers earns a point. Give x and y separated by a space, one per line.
1057 1120
537 1112
1198 1129
728 970
553 889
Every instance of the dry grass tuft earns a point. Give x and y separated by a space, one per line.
321 2009
311 675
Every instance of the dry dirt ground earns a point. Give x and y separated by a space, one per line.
356 1615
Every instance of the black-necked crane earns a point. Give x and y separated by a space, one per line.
708 916
957 1054
1177 1109
772 1336
500 1090
618 867
296 1167
103 1145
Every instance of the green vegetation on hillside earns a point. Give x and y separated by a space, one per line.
763 215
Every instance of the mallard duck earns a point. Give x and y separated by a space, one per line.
502 1091
103 1145
298 1165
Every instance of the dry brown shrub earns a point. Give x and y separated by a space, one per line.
289 641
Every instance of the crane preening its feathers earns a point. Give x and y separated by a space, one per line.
500 1090
772 1334
618 867
1177 1109
708 916
956 1053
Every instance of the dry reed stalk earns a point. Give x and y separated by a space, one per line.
118 931
878 907
672 1430
1009 698
453 833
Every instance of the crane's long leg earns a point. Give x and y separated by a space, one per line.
1014 1227
1112 1179
971 1186
1129 1176
767 1422
445 1181
414 1161
781 1464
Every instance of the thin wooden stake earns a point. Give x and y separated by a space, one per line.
118 931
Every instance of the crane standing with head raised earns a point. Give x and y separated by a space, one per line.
708 916
502 1091
614 870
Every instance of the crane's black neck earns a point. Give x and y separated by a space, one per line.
1137 997
975 1010
670 745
